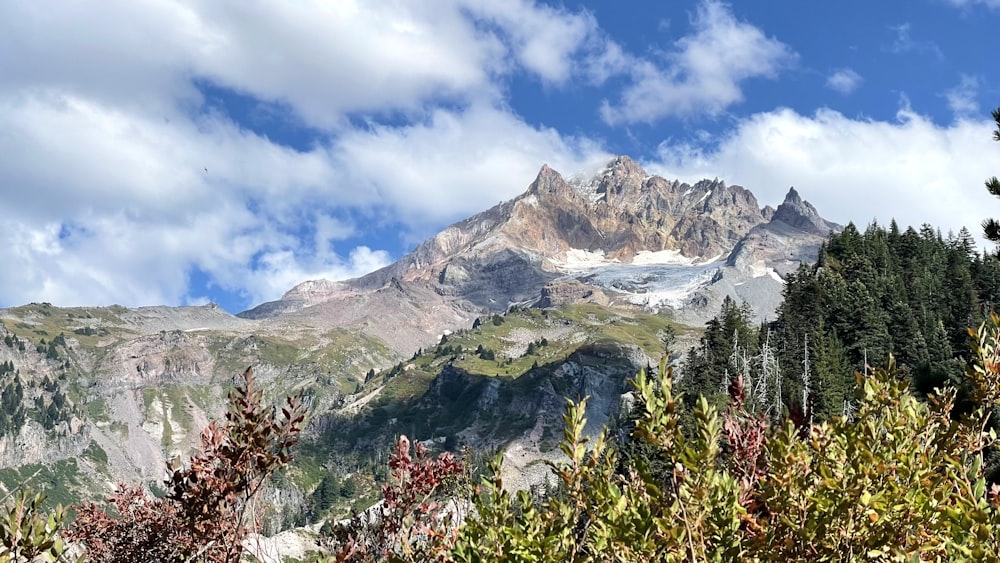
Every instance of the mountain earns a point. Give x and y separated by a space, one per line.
636 238
753 272
474 338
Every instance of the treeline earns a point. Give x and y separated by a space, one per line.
910 293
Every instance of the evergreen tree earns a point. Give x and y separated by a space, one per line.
909 293
991 227
348 487
834 378
723 352
326 493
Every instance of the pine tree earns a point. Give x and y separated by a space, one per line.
991 227
722 352
834 378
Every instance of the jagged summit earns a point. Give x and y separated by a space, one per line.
800 214
773 249
793 197
509 253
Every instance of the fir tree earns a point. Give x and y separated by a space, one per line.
991 227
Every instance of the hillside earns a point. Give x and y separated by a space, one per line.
474 339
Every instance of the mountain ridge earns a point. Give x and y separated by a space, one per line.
576 282
509 253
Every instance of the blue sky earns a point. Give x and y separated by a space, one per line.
179 152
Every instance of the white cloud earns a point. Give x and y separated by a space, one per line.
904 42
962 98
844 80
105 205
702 74
544 39
320 59
609 61
968 3
325 59
455 164
855 170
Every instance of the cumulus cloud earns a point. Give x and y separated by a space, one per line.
542 38
844 80
325 59
320 59
456 163
103 205
702 73
854 170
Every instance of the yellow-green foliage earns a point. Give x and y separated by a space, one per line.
27 534
902 481
608 516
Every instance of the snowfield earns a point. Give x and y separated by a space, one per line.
653 279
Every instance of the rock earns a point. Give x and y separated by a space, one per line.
518 253
571 291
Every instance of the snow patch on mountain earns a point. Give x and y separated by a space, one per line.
760 269
650 285
577 260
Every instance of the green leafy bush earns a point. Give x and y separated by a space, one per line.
902 481
28 535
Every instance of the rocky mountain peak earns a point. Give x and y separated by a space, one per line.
793 197
620 174
549 182
621 215
303 295
710 185
800 214
624 167
312 288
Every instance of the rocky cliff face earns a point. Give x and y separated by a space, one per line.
754 270
98 395
792 236
509 253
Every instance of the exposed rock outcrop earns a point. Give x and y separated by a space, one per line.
511 252
563 292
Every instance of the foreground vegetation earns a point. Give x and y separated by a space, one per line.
902 481
206 514
904 477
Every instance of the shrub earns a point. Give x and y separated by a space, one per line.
26 534
207 512
415 519
902 481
